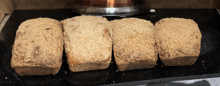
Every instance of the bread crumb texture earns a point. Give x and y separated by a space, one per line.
38 43
134 44
177 38
88 44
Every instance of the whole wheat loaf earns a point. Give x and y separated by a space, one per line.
134 44
178 41
88 44
38 47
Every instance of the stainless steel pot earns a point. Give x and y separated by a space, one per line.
110 7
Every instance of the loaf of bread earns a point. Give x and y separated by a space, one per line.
38 47
88 44
178 41
134 44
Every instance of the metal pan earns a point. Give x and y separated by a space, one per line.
208 64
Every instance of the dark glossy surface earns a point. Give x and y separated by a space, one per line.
208 64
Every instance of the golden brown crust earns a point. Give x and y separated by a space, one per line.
88 44
178 39
37 70
134 44
38 43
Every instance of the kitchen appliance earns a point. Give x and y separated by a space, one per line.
130 7
208 64
110 7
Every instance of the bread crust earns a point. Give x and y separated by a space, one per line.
38 46
88 44
178 41
134 44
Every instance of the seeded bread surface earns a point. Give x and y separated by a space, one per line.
38 47
88 44
178 41
134 44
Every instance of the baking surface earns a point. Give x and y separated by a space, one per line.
206 66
